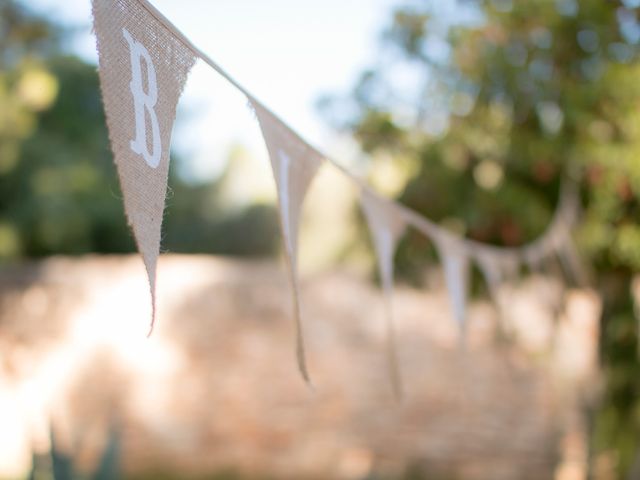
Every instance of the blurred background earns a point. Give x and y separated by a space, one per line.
470 112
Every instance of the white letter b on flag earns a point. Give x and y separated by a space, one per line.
144 102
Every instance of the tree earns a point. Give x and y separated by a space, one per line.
483 107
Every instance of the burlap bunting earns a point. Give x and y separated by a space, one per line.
386 227
455 262
144 63
294 165
143 69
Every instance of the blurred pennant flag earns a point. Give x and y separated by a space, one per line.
144 62
533 256
294 164
455 262
490 269
143 68
570 259
386 226
497 268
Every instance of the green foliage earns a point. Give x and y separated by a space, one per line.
61 196
59 466
485 106
196 222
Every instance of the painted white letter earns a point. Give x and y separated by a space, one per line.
144 102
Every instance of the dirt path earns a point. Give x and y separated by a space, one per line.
216 386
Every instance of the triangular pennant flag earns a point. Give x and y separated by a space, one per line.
455 262
533 256
386 227
489 265
510 266
143 68
497 268
294 165
570 259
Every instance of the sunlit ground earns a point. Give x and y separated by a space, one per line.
216 388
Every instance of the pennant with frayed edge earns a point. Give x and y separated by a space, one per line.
386 227
455 263
294 164
143 68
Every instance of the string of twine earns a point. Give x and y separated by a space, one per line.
565 214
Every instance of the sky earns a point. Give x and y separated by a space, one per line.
286 52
